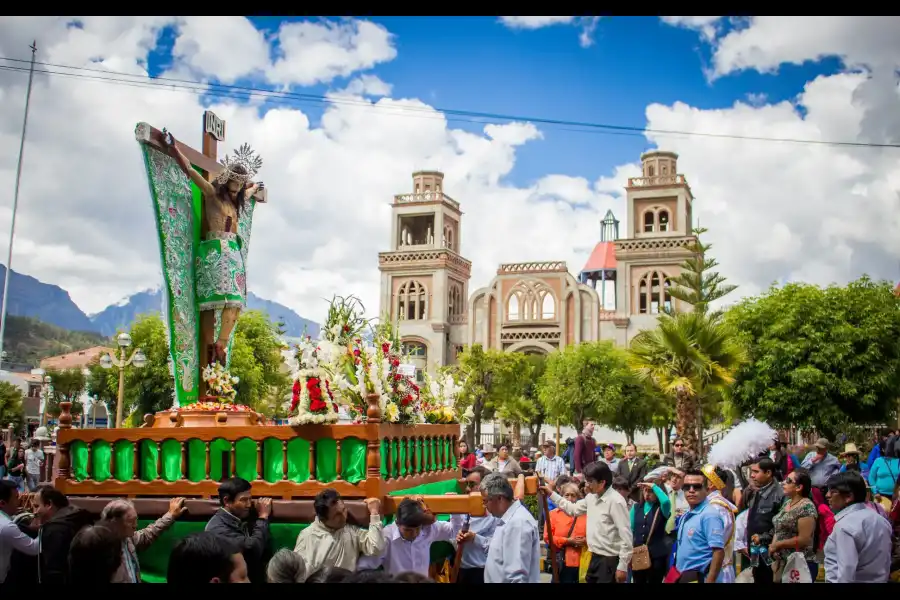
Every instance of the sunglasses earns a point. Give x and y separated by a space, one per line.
679 445
693 486
790 481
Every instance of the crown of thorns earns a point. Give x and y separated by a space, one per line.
244 157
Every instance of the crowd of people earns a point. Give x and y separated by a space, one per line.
607 520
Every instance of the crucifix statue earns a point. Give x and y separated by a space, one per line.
204 212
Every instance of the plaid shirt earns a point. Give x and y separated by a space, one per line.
550 468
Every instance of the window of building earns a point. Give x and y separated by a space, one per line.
649 224
412 301
512 312
548 307
531 301
663 220
455 299
653 293
650 171
416 355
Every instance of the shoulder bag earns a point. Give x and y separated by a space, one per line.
640 557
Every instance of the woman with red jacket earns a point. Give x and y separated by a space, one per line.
824 525
467 460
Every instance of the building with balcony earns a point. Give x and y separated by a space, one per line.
533 307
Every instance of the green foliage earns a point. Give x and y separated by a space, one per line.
585 382
820 358
151 388
67 385
257 361
11 410
488 380
28 340
697 285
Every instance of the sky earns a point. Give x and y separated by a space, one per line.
367 108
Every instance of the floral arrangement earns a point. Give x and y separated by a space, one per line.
439 400
220 383
343 368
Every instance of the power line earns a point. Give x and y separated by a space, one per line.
249 92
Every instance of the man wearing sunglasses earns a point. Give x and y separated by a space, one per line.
477 539
701 536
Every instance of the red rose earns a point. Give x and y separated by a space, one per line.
294 402
311 383
398 377
316 404
385 347
356 352
334 406
395 362
346 329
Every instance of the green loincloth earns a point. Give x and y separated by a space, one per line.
221 277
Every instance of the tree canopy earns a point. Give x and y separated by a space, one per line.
11 409
820 358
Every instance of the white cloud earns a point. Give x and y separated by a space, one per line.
367 85
705 25
586 24
226 48
775 210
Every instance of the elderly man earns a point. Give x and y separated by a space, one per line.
477 540
514 555
859 547
821 465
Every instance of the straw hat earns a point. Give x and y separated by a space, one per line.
850 448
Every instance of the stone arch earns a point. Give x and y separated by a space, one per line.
534 301
542 347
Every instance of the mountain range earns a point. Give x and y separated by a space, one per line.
29 297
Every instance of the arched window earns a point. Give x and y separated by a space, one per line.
650 172
417 355
531 301
448 238
663 216
512 308
455 299
649 221
653 293
412 301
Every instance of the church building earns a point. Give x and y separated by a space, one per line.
533 307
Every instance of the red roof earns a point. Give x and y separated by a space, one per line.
602 258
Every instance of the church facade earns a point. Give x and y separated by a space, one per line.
533 307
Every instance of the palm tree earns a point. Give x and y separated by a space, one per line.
686 355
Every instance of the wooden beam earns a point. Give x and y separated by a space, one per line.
198 159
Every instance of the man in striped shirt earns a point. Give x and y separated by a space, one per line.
550 466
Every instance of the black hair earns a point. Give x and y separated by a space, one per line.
410 513
767 464
7 487
324 501
563 480
480 470
802 478
599 472
199 557
50 495
620 483
328 574
696 473
94 556
849 482
411 577
230 488
368 576
240 197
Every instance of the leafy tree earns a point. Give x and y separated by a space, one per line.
11 410
488 380
67 386
633 409
151 388
257 361
520 404
582 382
684 356
819 358
697 285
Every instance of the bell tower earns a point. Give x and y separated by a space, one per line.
424 279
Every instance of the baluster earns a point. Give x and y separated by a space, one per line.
312 461
208 470
159 460
65 422
338 466
284 460
408 459
90 460
440 453
419 459
390 461
185 447
112 460
232 455
259 461
136 461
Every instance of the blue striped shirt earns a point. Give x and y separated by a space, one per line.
550 468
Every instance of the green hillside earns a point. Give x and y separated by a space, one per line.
28 340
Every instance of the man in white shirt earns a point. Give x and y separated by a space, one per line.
859 547
609 535
514 555
477 540
34 459
408 540
331 542
11 537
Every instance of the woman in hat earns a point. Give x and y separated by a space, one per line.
850 456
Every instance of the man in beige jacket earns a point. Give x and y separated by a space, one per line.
330 542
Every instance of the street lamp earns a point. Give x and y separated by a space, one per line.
137 359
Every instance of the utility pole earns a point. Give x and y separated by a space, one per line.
12 227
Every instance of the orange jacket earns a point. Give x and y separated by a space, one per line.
562 523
